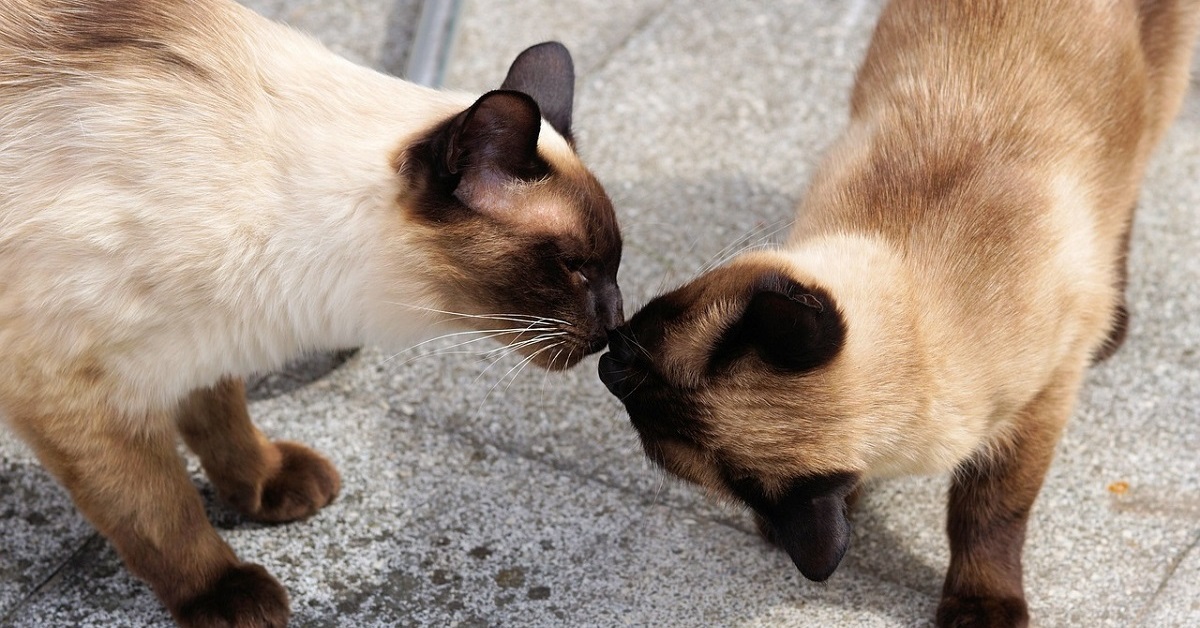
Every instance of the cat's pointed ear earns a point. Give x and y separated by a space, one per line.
490 144
789 325
547 73
808 521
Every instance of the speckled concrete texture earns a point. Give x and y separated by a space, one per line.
479 494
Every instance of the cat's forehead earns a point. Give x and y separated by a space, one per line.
682 327
571 205
706 302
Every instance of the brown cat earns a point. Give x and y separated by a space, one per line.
957 263
190 193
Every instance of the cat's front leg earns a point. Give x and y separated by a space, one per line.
126 477
273 482
990 500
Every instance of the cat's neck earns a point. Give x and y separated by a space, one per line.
334 130
896 367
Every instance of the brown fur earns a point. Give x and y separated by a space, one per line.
968 236
501 260
269 482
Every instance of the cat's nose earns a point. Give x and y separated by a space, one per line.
610 309
621 346
615 374
616 368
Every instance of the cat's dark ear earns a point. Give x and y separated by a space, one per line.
489 144
789 325
808 520
547 73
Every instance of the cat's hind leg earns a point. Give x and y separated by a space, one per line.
266 481
127 478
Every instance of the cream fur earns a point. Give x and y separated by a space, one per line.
169 244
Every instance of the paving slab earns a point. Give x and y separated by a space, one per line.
438 529
1177 602
376 33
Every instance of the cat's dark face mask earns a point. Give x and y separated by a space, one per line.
722 380
522 237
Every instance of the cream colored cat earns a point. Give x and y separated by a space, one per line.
957 263
190 193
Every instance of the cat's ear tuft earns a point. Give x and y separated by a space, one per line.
789 325
547 73
489 144
808 521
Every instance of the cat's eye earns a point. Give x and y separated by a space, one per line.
574 267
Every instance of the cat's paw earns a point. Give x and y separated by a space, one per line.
245 596
982 612
305 483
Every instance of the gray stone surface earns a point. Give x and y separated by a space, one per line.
371 32
479 495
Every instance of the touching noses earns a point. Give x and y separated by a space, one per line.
610 310
616 368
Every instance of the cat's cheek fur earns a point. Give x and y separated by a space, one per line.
501 235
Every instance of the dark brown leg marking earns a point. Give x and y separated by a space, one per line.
134 488
245 595
990 500
270 482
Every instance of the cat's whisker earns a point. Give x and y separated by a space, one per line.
517 345
488 368
749 236
525 361
711 262
662 483
506 350
756 245
488 334
546 373
543 336
439 353
750 242
512 318
720 257
450 350
638 345
635 388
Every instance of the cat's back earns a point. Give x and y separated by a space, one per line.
50 44
142 148
92 86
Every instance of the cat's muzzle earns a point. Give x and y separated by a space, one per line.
616 367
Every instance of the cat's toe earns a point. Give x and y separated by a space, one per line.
245 596
982 612
305 483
